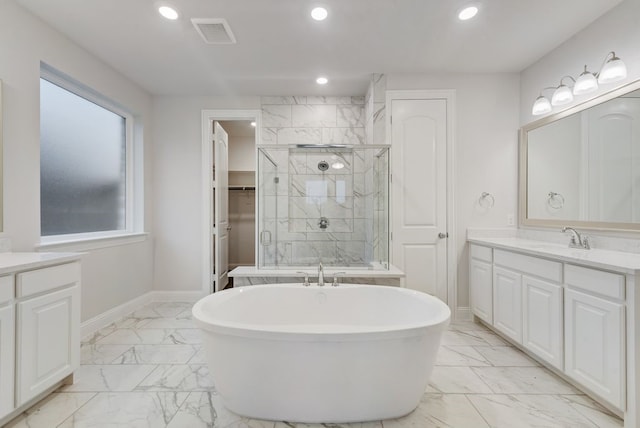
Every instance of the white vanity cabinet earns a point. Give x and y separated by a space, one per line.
595 331
578 311
7 345
39 326
481 278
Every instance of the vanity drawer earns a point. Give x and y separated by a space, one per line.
7 291
531 265
481 253
606 284
49 278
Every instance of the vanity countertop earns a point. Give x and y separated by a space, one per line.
252 271
628 263
12 262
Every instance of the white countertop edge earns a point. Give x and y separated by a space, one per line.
15 262
253 272
628 263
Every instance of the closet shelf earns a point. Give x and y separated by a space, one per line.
242 187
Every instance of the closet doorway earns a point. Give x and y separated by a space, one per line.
229 198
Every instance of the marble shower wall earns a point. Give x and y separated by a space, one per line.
374 110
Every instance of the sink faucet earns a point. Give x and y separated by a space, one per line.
577 241
320 275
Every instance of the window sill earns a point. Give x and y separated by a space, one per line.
91 243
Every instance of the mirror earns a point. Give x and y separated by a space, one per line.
581 167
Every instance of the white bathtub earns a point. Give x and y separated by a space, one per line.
313 354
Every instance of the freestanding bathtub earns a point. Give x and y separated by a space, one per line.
351 353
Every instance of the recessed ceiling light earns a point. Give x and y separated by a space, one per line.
168 12
253 124
319 13
322 80
467 13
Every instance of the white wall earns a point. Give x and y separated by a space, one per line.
177 195
113 275
486 151
242 153
618 30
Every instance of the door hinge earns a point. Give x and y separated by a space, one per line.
391 119
390 178
391 236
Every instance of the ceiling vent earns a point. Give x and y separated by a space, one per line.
215 31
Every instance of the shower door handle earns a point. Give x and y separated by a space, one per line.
443 235
265 237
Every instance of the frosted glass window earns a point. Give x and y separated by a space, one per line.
82 164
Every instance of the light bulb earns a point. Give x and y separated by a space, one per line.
467 13
561 96
322 80
586 83
168 12
319 13
613 70
541 106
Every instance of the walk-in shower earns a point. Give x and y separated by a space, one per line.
319 203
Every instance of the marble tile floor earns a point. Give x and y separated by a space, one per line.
148 370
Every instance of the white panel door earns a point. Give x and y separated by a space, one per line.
221 215
542 329
507 303
7 352
481 287
594 345
48 341
419 147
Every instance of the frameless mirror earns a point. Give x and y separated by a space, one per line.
581 167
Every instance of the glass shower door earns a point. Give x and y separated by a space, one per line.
269 181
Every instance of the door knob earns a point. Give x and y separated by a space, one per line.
443 235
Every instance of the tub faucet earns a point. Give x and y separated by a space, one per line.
577 241
320 276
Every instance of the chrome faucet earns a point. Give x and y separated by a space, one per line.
577 241
320 276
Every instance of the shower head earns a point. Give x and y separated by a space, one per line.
323 166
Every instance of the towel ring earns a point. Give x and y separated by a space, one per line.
555 200
487 200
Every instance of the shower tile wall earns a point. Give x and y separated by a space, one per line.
374 110
290 211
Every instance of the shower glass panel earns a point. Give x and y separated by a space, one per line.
324 204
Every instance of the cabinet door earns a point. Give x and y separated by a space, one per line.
48 341
594 345
507 303
7 351
542 319
481 284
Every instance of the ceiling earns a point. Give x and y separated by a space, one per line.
280 50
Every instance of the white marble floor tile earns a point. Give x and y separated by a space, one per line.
172 309
528 411
170 323
131 322
153 336
467 326
113 377
376 424
204 409
593 411
523 380
440 410
491 338
158 354
178 377
506 356
462 338
460 356
93 338
127 410
456 380
52 410
101 354
199 358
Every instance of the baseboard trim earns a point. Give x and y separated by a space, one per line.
92 325
464 314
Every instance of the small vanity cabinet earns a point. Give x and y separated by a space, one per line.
573 310
39 326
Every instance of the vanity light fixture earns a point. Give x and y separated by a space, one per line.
562 95
586 83
467 13
168 12
322 80
319 13
613 69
